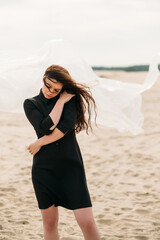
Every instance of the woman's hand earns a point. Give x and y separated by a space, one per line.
66 96
34 147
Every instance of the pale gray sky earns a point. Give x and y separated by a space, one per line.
107 32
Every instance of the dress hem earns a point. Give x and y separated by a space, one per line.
64 206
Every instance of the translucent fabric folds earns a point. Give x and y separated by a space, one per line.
118 103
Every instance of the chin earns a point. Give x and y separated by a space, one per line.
50 96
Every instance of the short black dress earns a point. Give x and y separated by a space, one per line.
58 173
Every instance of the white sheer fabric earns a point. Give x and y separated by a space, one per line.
119 103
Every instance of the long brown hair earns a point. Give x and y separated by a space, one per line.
71 86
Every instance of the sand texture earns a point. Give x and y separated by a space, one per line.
122 170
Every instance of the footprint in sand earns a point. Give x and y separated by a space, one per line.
126 209
142 211
141 237
105 221
107 209
8 212
23 222
1 204
9 189
117 214
100 215
147 186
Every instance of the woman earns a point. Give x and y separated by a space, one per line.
58 173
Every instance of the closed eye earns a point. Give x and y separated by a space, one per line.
56 90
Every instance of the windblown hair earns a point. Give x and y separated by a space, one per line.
71 86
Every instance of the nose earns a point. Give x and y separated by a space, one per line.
52 91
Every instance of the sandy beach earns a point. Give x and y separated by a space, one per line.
122 170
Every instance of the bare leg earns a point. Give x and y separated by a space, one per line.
50 223
85 219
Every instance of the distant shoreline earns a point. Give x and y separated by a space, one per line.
134 68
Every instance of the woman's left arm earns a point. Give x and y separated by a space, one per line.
36 146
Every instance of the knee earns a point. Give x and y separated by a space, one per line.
87 224
50 224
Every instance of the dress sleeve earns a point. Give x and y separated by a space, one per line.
68 117
39 122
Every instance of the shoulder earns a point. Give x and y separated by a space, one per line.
29 102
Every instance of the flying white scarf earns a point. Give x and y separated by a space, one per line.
119 103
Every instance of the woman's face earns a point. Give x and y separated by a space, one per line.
51 88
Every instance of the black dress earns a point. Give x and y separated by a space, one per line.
58 173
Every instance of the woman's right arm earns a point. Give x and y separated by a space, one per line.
56 112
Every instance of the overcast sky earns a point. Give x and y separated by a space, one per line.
107 32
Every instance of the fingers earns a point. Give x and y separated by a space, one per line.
29 150
67 96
